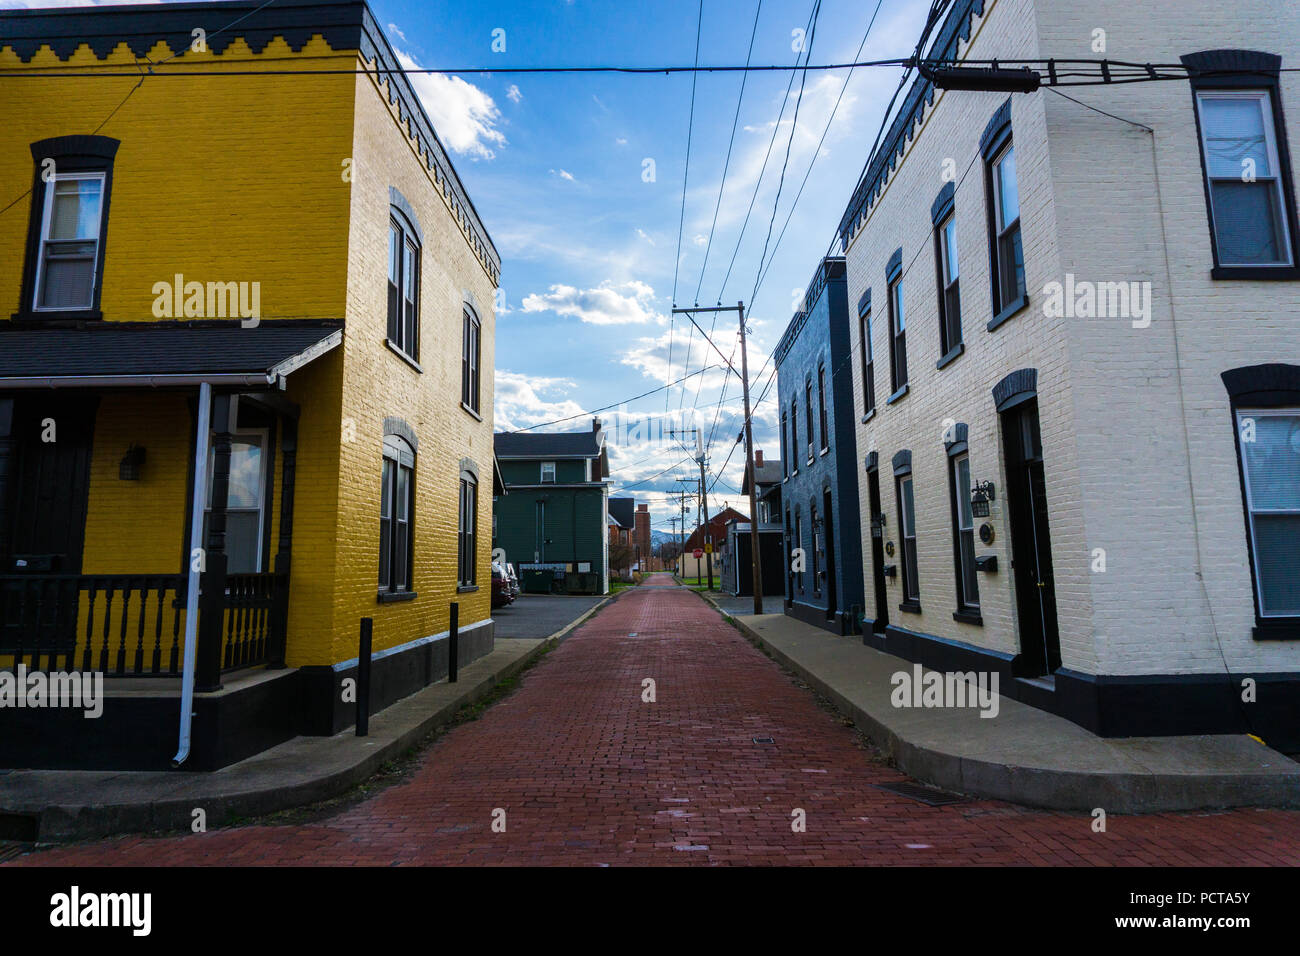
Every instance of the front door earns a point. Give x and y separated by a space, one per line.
1031 543
47 508
877 551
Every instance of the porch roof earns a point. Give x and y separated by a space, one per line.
160 353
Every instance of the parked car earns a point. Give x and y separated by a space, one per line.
502 594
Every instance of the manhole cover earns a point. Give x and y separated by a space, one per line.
931 796
764 740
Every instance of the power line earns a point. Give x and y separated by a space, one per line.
606 408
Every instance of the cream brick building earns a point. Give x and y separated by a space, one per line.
1141 591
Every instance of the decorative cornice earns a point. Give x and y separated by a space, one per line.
830 267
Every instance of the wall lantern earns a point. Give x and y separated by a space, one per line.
129 469
980 498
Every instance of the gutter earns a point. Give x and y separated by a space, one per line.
192 591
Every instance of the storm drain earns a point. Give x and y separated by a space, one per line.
764 740
930 796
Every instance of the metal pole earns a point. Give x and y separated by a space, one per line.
756 557
192 585
708 531
363 677
453 643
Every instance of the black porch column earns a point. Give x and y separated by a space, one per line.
280 607
6 476
212 598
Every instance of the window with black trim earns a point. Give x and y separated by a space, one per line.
868 362
945 247
816 547
467 532
907 531
963 534
808 415
821 406
785 448
471 354
798 543
403 285
68 227
1008 254
898 336
1245 164
1269 444
794 436
396 510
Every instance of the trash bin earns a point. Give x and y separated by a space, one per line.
537 582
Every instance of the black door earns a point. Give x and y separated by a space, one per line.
828 538
877 551
1031 543
48 504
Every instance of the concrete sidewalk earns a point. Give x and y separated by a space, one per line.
49 806
1025 755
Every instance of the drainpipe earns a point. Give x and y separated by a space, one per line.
192 590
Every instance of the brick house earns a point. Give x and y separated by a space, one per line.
260 276
1077 371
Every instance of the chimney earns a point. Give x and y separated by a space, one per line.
758 458
595 424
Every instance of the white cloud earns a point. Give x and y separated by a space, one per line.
513 94
627 303
394 29
464 116
644 235
620 140
523 400
563 174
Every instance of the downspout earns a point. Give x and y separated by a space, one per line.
192 590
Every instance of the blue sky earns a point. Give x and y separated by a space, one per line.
555 163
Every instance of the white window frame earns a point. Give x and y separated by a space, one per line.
1265 99
1253 413
548 466
962 504
46 218
1001 228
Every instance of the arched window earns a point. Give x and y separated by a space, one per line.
471 355
396 513
403 281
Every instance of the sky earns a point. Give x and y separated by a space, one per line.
578 179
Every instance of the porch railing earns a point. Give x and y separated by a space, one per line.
133 625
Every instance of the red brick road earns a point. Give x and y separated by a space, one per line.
588 773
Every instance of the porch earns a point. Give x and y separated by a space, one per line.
116 567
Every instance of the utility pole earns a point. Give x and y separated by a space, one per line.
704 498
756 554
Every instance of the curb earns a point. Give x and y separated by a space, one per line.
1052 789
66 823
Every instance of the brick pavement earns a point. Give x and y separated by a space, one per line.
589 774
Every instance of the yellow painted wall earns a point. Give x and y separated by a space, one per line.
241 179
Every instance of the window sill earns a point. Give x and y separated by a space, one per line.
825 451
871 413
1283 629
897 395
58 315
907 608
1011 309
968 617
953 354
466 588
1267 273
471 411
393 597
403 356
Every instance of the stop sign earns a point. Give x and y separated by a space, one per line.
698 553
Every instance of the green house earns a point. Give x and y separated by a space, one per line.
554 516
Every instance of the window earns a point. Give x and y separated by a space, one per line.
1243 179
963 523
907 528
245 501
1269 440
785 452
471 353
548 471
396 507
467 537
1008 256
794 436
898 338
949 286
69 242
868 363
808 412
798 543
403 286
816 547
821 406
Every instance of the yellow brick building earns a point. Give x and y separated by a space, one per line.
263 259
